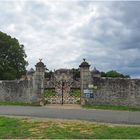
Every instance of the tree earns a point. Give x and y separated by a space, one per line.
76 73
114 74
103 74
12 58
48 74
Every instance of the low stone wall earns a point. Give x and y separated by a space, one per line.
17 91
114 91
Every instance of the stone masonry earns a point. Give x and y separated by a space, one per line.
27 91
105 91
109 91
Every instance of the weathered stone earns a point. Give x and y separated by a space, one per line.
28 91
108 91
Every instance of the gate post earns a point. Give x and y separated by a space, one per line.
85 79
38 83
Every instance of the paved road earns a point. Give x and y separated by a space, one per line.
76 114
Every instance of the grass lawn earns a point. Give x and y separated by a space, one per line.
13 128
49 93
16 103
110 107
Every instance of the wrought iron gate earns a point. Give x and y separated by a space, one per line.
63 92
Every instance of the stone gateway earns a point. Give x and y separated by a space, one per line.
61 87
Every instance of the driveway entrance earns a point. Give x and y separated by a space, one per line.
63 89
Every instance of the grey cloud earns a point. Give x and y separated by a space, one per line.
62 33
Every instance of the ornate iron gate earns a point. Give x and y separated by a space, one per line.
63 92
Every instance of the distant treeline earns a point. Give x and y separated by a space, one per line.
114 74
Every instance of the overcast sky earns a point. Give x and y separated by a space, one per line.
62 33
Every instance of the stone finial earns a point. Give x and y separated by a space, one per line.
84 59
84 64
40 59
40 64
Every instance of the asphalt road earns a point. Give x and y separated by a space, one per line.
108 116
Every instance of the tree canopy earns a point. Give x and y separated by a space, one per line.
114 74
76 73
12 58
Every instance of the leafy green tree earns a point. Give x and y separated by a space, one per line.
76 73
127 76
12 58
48 74
103 74
114 74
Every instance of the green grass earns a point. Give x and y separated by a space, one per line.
111 107
11 128
76 93
16 103
49 93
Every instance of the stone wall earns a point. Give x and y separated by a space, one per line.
26 91
115 91
16 91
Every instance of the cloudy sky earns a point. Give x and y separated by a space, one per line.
62 33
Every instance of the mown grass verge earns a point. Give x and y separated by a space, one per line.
110 107
17 103
11 128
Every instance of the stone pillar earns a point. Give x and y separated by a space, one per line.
38 83
85 79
